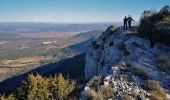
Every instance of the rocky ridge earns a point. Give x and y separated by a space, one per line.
125 63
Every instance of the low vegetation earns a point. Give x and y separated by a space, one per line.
163 62
126 97
23 64
91 95
37 87
9 97
106 92
155 90
137 45
122 46
138 72
149 23
167 20
111 29
111 43
95 45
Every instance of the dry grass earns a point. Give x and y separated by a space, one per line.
18 65
163 62
91 95
126 97
156 91
167 20
106 92
126 77
20 62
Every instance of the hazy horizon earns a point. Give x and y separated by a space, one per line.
74 11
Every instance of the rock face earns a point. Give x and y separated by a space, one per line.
119 47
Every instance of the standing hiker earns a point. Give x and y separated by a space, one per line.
130 19
125 22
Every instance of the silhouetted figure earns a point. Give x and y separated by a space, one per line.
125 22
130 19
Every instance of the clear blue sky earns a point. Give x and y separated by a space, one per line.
74 10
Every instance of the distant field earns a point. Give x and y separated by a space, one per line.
24 46
18 65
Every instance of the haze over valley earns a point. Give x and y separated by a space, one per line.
24 46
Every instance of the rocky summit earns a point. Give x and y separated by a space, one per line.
125 63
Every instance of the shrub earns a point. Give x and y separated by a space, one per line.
60 88
36 87
102 62
111 43
110 29
40 88
137 45
138 72
104 39
126 53
95 45
148 22
166 20
157 92
163 62
106 92
122 46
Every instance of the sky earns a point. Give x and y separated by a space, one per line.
75 11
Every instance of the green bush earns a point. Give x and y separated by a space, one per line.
126 53
148 22
40 88
104 39
95 45
137 45
36 87
122 46
60 88
111 43
102 62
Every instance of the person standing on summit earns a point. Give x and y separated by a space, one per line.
130 19
125 22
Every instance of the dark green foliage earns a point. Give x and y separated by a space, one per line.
104 39
95 45
102 62
111 30
41 88
137 45
126 53
111 43
148 25
122 46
